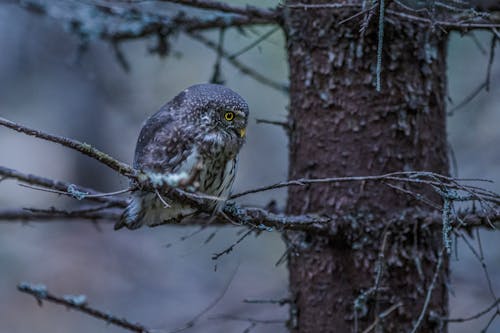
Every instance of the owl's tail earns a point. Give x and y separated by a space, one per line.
144 208
133 215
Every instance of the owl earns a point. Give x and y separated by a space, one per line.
195 137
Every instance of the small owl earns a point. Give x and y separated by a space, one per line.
195 136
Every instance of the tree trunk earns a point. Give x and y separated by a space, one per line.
343 127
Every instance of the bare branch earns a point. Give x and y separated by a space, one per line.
216 256
361 300
74 192
492 319
116 25
284 124
60 186
429 293
212 304
251 320
255 217
53 214
41 293
475 316
254 43
280 302
323 6
476 219
491 58
381 316
470 97
137 23
265 220
82 147
462 26
415 177
242 67
460 20
271 14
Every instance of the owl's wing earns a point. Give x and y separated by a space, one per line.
164 144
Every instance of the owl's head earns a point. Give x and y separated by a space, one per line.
213 107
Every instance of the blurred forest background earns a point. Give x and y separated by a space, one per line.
151 275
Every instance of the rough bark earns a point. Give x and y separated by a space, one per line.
343 127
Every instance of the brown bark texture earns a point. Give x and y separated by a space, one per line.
341 126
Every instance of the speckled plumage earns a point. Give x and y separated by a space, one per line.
188 135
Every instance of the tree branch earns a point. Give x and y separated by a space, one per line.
92 195
242 67
78 303
134 23
414 177
82 147
252 11
475 316
254 217
429 293
120 24
50 215
459 19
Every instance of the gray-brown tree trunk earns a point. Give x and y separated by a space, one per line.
343 127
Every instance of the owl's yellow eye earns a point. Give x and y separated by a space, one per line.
229 115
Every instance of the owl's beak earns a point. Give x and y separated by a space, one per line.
243 132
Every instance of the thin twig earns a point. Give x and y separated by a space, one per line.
475 316
49 215
144 23
458 24
216 256
381 316
480 258
76 193
478 43
84 148
490 60
84 210
212 304
58 185
379 269
280 302
282 124
217 77
416 177
252 320
323 6
417 196
41 293
361 300
446 24
469 97
254 43
242 67
227 8
429 293
364 11
485 267
488 324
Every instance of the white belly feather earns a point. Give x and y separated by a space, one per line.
214 178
